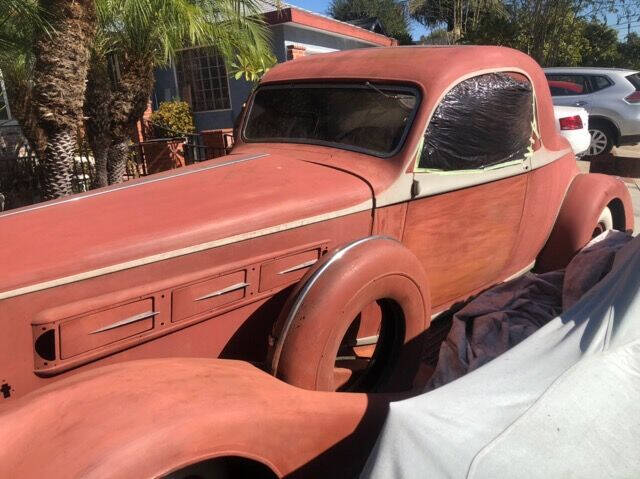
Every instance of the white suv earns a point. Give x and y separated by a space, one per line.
611 96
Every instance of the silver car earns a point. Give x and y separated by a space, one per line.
610 95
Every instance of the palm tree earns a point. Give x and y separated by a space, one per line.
20 22
59 82
458 15
146 34
44 61
97 110
27 12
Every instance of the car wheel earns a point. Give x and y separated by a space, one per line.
601 139
605 222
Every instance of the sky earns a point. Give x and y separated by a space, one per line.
321 6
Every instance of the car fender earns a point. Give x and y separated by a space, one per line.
307 335
149 418
587 195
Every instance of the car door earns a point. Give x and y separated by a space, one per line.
470 184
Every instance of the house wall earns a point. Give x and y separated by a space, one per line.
311 38
281 36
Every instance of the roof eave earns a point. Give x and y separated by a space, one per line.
319 22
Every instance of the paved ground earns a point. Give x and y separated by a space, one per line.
624 162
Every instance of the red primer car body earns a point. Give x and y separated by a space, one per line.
198 262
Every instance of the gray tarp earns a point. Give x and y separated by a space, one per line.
565 402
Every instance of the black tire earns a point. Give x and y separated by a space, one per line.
602 138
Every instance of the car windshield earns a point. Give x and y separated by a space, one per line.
366 117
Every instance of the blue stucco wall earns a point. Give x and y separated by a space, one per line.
165 90
165 86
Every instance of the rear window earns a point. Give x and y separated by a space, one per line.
370 118
634 79
600 83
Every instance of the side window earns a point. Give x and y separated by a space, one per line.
599 83
565 85
483 121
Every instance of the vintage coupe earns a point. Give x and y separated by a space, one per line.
368 191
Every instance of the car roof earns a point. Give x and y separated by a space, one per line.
429 66
433 69
592 70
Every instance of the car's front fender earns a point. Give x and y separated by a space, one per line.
151 417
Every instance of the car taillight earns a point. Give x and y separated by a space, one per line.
571 123
634 97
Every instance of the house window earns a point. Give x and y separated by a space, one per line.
481 122
202 79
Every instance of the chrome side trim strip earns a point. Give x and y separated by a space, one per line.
367 341
125 186
367 205
523 271
124 322
228 289
313 279
299 266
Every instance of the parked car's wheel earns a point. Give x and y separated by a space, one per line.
314 342
605 222
602 138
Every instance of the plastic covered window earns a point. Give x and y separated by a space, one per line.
483 121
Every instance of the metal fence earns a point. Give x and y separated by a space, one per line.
21 176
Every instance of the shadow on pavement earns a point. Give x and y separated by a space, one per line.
623 166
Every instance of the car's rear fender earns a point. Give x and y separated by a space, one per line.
585 200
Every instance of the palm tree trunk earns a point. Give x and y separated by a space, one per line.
101 159
19 93
130 99
59 83
97 107
117 166
57 164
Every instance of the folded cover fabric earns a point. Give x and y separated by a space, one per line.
565 402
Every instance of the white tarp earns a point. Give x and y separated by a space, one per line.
565 402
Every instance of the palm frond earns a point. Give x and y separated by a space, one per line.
18 16
155 30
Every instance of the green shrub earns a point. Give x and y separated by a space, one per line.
173 118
